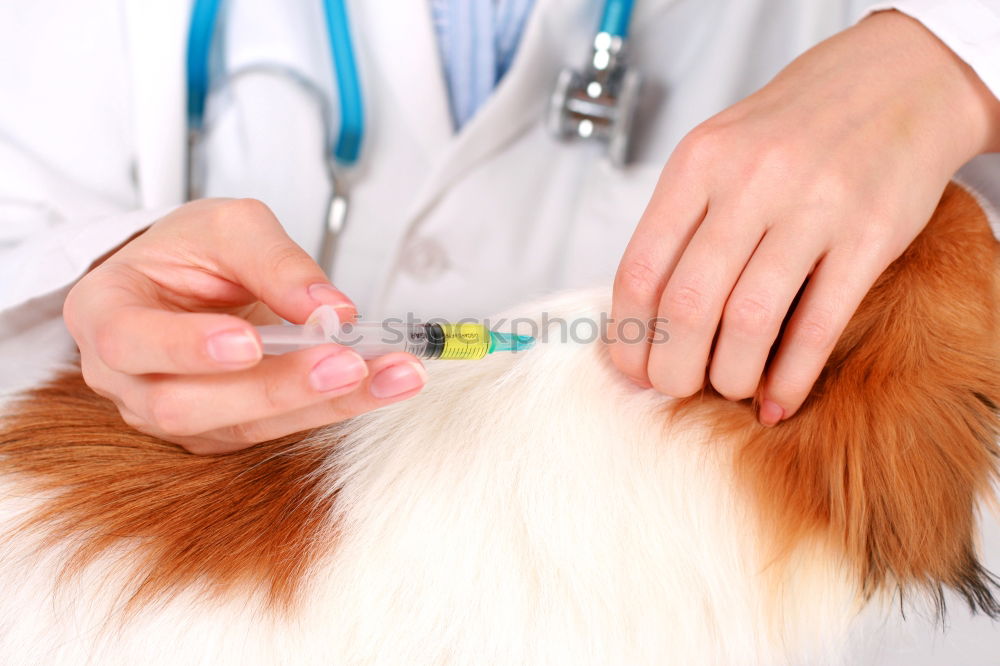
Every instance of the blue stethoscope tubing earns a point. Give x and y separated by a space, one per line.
616 17
347 147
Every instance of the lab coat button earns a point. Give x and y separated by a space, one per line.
424 259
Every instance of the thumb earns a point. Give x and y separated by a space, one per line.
253 250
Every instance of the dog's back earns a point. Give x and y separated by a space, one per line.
535 508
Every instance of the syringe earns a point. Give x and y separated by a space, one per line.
461 341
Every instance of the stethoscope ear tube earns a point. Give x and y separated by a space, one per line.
345 150
203 20
616 18
202 30
352 114
342 152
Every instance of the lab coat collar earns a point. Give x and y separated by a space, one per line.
155 29
518 101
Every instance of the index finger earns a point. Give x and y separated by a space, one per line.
133 336
673 214
242 241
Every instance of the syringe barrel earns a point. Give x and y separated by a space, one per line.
429 341
374 339
463 341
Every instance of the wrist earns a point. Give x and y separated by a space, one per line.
966 112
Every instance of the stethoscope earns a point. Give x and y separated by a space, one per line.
596 103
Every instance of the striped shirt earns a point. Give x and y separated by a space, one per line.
477 40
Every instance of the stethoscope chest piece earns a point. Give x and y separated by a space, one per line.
599 102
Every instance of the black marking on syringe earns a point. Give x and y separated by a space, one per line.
435 340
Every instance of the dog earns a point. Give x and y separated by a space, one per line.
533 508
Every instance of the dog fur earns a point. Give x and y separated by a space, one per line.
532 508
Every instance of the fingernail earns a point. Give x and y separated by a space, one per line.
337 371
397 380
234 347
326 318
770 413
326 294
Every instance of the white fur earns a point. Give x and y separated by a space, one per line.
525 509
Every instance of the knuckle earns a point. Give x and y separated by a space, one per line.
200 447
244 434
750 317
631 362
93 376
241 212
815 332
271 395
167 412
132 420
686 305
105 392
701 145
286 257
179 353
249 208
70 309
878 239
107 345
778 159
676 382
735 393
730 387
833 190
676 386
639 279
786 389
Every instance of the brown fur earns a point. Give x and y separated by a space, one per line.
899 438
885 460
252 519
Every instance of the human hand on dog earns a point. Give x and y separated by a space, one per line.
820 179
164 330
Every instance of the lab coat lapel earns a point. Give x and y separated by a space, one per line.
518 101
157 39
399 39
523 94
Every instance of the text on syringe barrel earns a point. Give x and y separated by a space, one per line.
464 341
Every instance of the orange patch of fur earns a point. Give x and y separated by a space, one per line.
253 520
887 458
